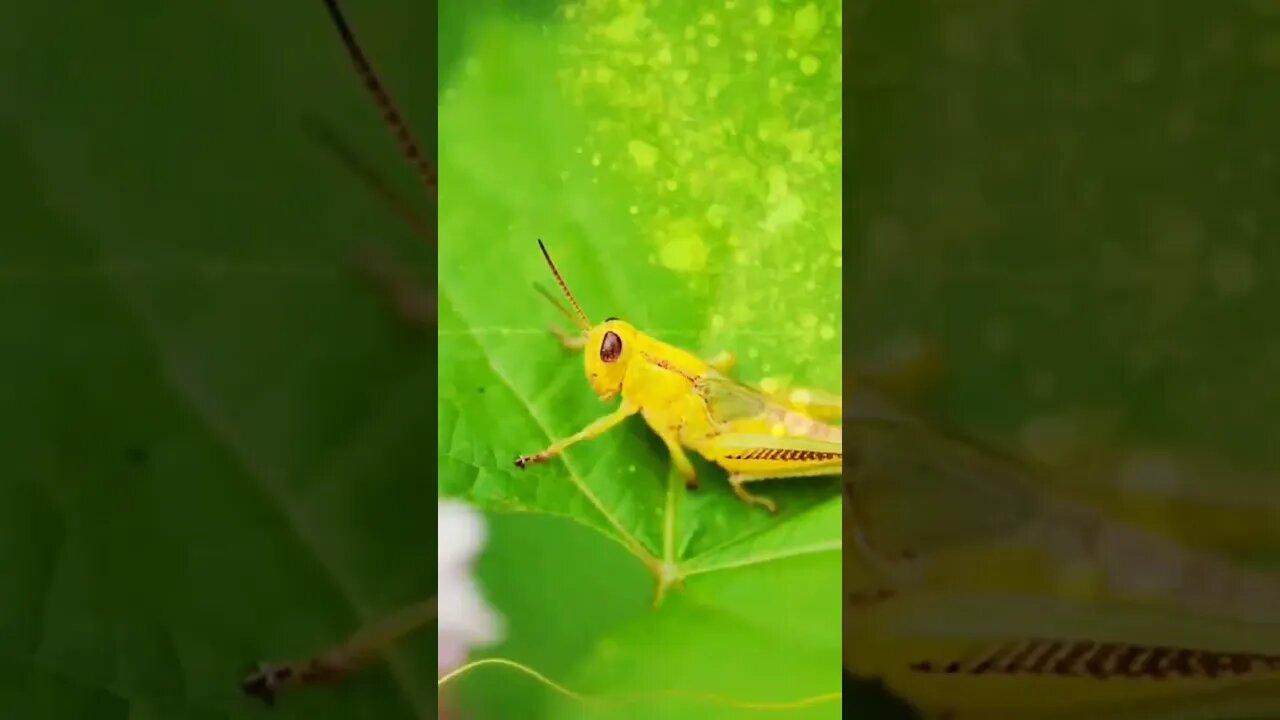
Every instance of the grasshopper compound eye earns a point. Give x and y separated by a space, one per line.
610 347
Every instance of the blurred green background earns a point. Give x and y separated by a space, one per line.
214 429
1076 202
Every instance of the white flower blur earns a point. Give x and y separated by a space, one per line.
465 620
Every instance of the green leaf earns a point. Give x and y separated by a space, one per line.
555 610
678 652
689 184
684 170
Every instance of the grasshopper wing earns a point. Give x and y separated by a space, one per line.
943 506
916 492
817 446
729 400
1198 500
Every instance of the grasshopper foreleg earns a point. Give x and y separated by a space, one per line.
415 305
569 340
594 430
368 644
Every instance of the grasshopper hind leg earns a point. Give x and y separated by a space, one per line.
751 458
738 481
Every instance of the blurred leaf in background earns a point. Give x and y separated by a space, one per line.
1077 207
1075 200
1077 204
212 428
683 165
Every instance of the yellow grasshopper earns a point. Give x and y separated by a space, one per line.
975 590
692 403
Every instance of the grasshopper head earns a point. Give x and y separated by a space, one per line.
609 345
607 354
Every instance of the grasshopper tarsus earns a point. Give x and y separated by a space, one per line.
264 683
737 482
267 682
367 645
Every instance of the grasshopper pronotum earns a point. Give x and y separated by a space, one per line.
691 403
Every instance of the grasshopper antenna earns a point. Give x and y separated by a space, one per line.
586 324
390 113
329 139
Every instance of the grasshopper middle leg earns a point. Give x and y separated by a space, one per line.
680 459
